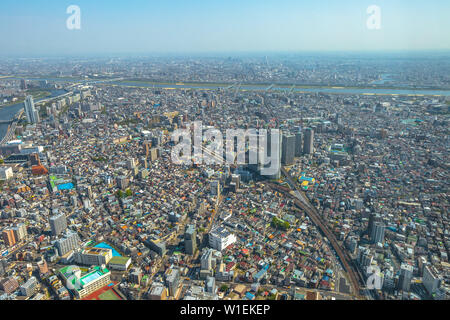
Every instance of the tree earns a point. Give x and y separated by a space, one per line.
280 224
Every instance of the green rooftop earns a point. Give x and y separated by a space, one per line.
119 260
86 277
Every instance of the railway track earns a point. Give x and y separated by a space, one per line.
301 201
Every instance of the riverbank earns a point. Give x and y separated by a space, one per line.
264 87
36 95
277 85
9 112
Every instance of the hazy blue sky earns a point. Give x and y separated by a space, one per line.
38 27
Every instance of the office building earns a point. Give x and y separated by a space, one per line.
273 160
206 260
157 292
153 154
172 280
288 149
3 266
364 257
215 187
298 144
404 280
431 279
23 84
156 141
6 173
220 238
67 243
373 218
42 266
308 141
210 284
377 235
29 287
156 245
8 237
190 241
131 163
235 178
20 231
58 224
135 276
122 182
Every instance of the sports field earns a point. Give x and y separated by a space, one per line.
105 293
108 295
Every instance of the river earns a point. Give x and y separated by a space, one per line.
8 113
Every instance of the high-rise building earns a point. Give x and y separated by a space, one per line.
172 280
365 257
190 241
156 141
373 217
6 173
29 287
274 153
30 110
58 223
67 243
153 154
210 284
308 142
8 237
3 266
43 267
288 149
431 279
147 146
20 231
406 274
377 234
235 178
215 187
298 144
206 260
122 182
131 163
23 84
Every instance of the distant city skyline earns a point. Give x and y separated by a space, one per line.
140 27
